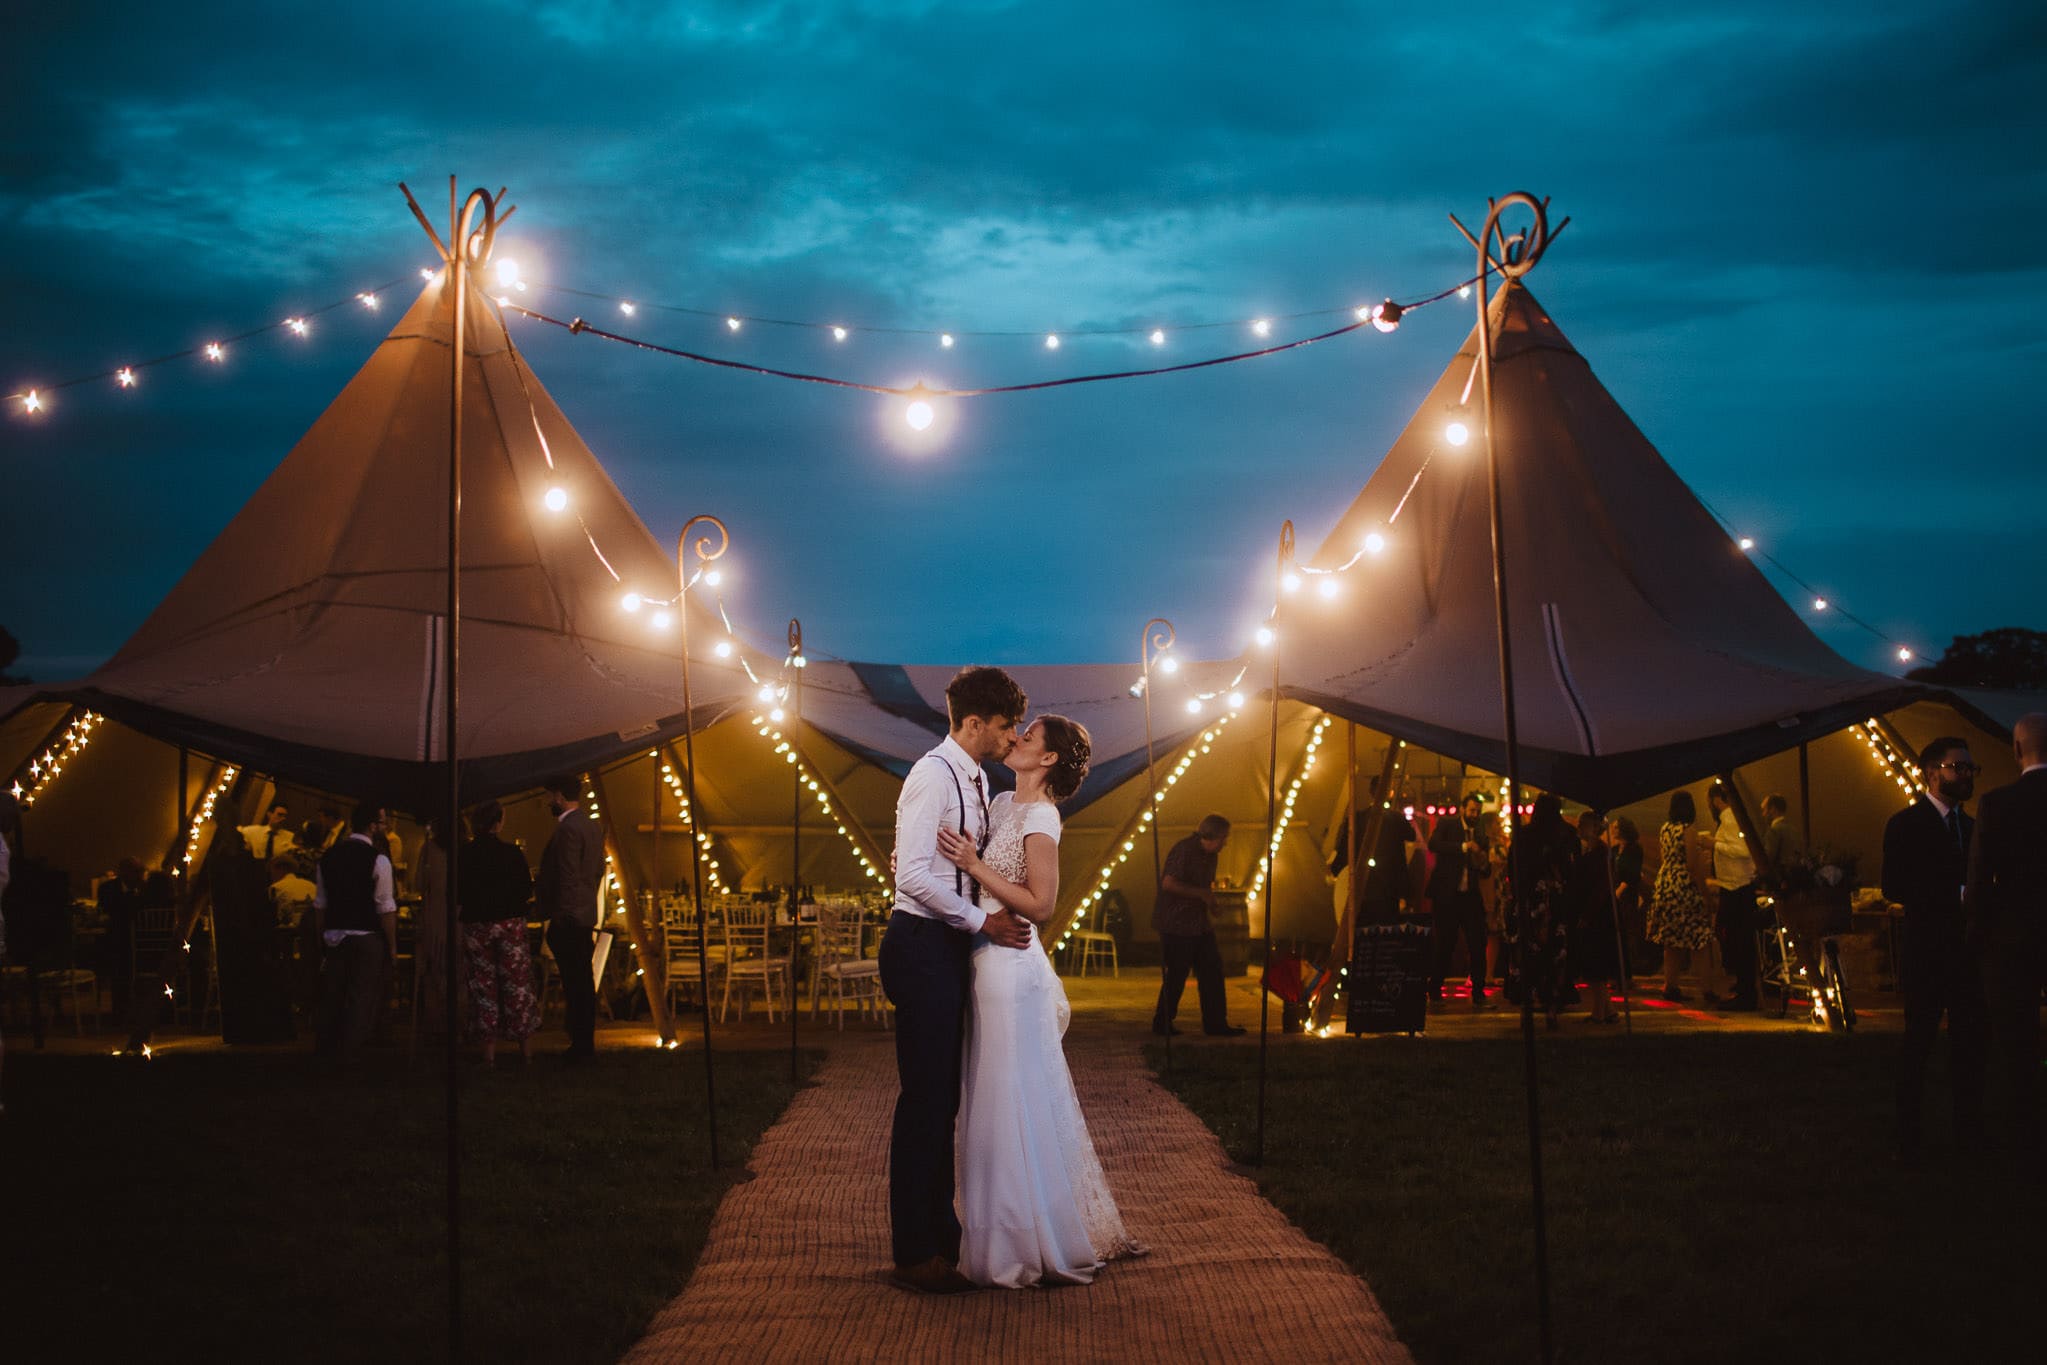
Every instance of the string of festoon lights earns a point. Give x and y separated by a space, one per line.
1125 843
699 839
35 401
205 813
918 398
48 766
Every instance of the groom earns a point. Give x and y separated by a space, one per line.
924 969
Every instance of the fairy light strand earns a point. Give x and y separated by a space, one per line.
46 767
215 350
1125 846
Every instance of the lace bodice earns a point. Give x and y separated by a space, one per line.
1008 823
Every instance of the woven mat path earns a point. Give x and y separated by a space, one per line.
795 1265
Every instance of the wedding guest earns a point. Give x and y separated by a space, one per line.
1595 934
357 913
430 928
1783 849
1925 865
571 868
1677 920
1734 868
1540 859
1181 916
2007 906
291 895
496 887
120 900
272 837
1386 872
1629 893
1463 861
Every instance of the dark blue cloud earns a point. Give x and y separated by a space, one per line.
1800 257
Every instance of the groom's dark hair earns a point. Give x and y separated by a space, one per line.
985 692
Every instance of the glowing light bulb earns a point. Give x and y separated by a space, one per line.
125 377
1158 336
1137 689
33 402
557 499
1457 433
714 576
628 307
1747 544
1052 341
1363 312
215 352
1263 327
1327 587
1819 604
1169 664
297 325
630 602
1464 292
661 620
1193 706
1290 581
1904 655
838 334
1386 317
801 661
1265 635
369 301
508 270
777 714
723 649
1236 701
1374 543
426 274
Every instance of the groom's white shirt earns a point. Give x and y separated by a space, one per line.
930 802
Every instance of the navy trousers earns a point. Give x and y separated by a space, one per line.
925 971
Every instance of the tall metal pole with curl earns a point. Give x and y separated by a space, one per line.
1156 638
1286 566
469 244
797 663
705 552
1513 256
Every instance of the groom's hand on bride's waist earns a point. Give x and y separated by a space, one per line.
1008 929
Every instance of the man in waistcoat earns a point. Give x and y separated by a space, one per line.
357 912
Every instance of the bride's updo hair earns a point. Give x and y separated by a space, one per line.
1069 740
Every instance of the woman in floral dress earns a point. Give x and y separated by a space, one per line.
1678 918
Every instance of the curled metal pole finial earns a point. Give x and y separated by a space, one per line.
705 551
1153 642
795 638
1512 255
476 244
1286 546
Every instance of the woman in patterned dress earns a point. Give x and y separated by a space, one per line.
1678 918
1034 1205
496 887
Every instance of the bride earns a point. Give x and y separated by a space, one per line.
1034 1205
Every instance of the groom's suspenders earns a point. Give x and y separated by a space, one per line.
959 874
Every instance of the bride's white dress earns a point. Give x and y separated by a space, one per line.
1034 1205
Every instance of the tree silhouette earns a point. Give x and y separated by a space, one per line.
2014 659
10 650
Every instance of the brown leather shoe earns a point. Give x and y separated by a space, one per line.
934 1276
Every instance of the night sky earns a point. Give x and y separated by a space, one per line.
1802 256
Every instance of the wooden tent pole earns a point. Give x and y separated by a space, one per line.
1360 839
1127 831
652 976
1805 792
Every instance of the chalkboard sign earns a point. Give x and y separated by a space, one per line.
1388 982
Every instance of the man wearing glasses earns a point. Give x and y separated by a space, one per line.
1926 862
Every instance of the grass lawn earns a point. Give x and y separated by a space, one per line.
1711 1198
256 1206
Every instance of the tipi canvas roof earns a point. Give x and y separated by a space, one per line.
1647 649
